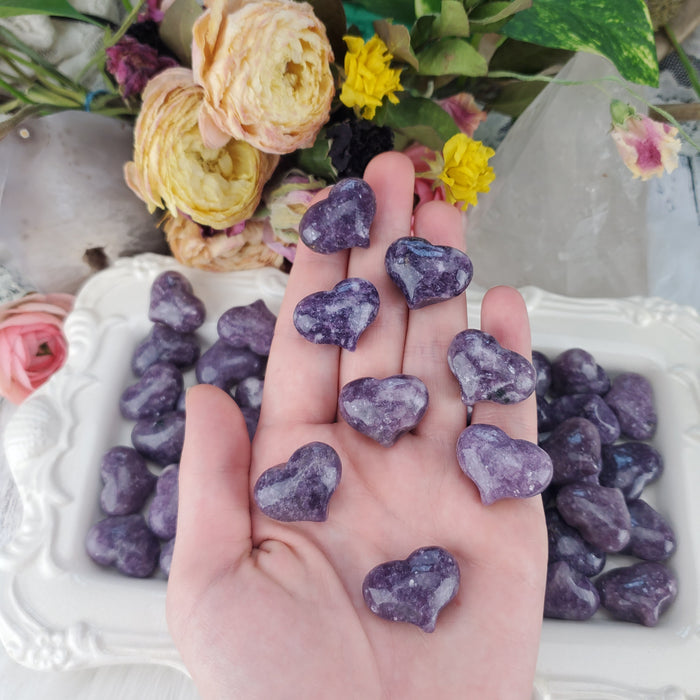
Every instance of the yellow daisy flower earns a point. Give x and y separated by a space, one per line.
369 77
466 171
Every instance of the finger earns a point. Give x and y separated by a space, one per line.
504 316
432 328
296 367
213 521
379 352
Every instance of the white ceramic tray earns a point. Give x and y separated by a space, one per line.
59 610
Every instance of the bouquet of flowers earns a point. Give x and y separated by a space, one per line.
244 109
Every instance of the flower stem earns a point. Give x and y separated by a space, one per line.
683 57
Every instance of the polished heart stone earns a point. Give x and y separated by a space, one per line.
575 371
488 372
500 466
163 344
566 544
575 449
342 220
652 538
630 466
384 409
637 593
339 316
174 303
426 273
124 542
593 408
224 366
599 513
414 589
631 397
156 392
161 438
162 511
300 489
127 481
250 326
249 392
569 595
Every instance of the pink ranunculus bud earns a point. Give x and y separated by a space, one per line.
464 110
647 147
133 64
32 344
426 189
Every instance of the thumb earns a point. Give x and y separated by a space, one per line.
213 523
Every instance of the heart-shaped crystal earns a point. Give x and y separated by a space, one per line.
500 466
631 397
488 372
384 409
250 326
414 589
224 366
162 512
127 481
426 273
301 488
342 220
339 316
125 542
161 438
156 392
163 344
637 593
174 303
574 447
569 594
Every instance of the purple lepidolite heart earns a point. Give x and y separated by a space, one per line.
342 220
384 409
426 273
125 542
638 593
301 488
414 589
127 481
156 392
174 303
339 316
569 594
631 397
250 326
488 372
500 466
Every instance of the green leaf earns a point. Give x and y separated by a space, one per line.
515 97
400 11
620 30
316 159
419 119
451 56
452 21
490 12
54 8
397 40
427 7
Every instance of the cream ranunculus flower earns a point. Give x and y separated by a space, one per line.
265 70
219 251
174 170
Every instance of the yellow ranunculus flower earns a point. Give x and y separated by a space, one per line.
219 252
466 171
265 70
174 170
369 77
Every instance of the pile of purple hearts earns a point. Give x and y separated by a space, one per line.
139 496
597 432
383 409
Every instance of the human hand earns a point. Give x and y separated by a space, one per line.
264 609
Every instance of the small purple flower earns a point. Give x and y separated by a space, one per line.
133 64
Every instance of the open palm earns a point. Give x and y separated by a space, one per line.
264 609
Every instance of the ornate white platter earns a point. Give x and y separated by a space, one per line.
59 610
